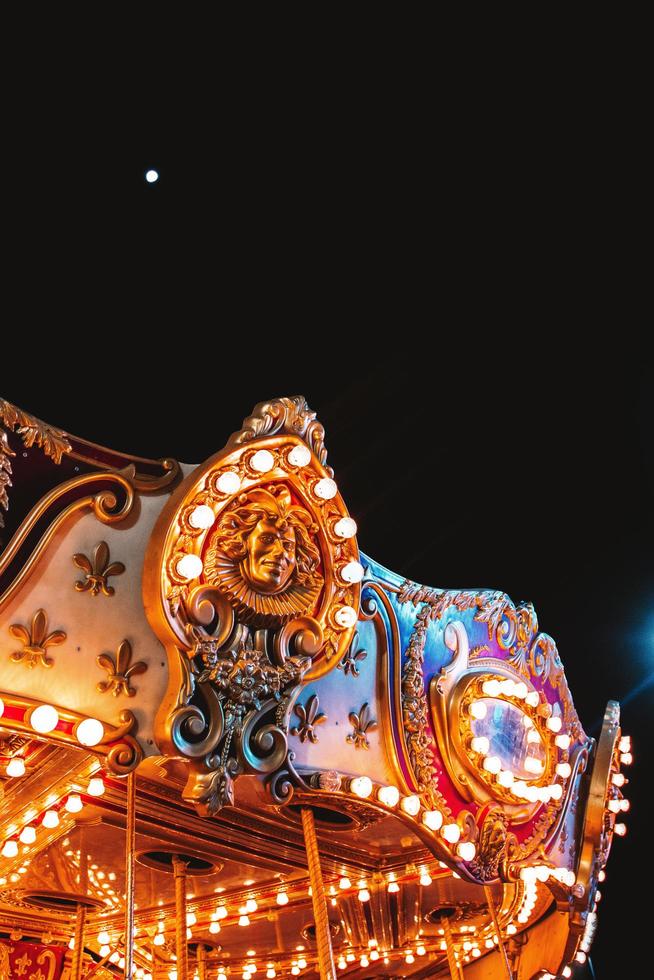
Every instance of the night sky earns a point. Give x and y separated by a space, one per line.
468 335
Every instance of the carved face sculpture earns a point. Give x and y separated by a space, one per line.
264 557
270 558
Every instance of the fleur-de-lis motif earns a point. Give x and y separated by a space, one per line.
309 718
362 723
35 641
97 570
120 671
353 657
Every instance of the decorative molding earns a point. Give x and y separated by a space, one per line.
362 723
309 718
54 442
289 415
119 671
353 657
35 641
97 570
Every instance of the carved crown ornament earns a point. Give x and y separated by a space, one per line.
251 581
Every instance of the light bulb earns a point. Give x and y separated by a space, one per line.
562 742
159 939
425 879
201 517
95 787
478 709
511 929
151 176
282 898
189 566
262 461
466 851
345 616
221 912
325 489
410 958
191 918
90 732
626 758
493 764
16 767
105 950
563 769
624 745
388 795
270 974
507 688
420 950
27 835
344 883
361 786
214 927
620 829
251 905
345 528
352 572
10 849
74 803
299 456
393 887
556 791
302 963
617 778
228 482
44 719
364 961
373 954
104 937
451 832
534 765
505 778
433 819
554 723
480 744
491 688
532 699
363 895
50 819
411 805
244 921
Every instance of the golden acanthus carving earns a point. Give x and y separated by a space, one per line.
54 442
291 415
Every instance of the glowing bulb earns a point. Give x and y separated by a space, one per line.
299 456
228 482
420 950
221 976
189 566
221 911
505 778
478 709
346 616
302 963
614 806
364 895
361 786
191 918
620 829
480 744
532 699
345 883
411 805
262 461
566 972
466 851
563 769
201 517
105 950
345 528
493 764
511 929
624 745
104 937
27 835
270 974
214 927
74 803
393 887
251 905
325 489
626 758
388 795
50 819
580 957
10 849
295 970
373 954
16 766
507 688
625 805
451 832
433 819
44 719
410 958
95 787
617 778
532 736
342 964
352 572
159 939
534 765
364 961
554 723
282 898
243 920
562 742
491 688
151 176
425 879
90 732
556 791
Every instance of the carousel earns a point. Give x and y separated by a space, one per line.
232 746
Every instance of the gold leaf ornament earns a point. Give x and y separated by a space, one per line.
119 671
35 641
97 570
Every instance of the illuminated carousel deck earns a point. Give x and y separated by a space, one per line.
227 732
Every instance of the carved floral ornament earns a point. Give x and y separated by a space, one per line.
252 582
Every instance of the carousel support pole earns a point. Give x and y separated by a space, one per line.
500 943
130 847
202 961
323 936
179 868
452 962
78 948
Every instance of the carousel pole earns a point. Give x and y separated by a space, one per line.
202 962
179 867
503 956
452 962
130 847
323 936
78 948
